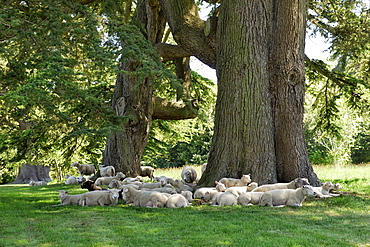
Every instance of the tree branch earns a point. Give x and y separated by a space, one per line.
167 110
170 52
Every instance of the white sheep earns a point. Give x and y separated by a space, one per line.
70 179
188 195
100 197
238 189
288 197
107 180
107 171
69 199
115 184
188 174
324 190
167 189
147 171
205 193
144 198
38 183
177 201
164 180
250 198
181 186
220 187
80 179
225 199
150 185
231 182
84 169
294 184
252 186
203 168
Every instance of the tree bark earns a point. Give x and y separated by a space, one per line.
29 172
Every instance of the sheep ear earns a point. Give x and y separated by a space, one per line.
216 182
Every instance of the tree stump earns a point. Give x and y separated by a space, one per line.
29 172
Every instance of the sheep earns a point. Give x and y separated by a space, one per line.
181 186
150 185
132 180
90 186
147 171
188 195
81 179
145 198
324 190
204 193
252 186
239 189
84 169
249 198
168 189
288 197
337 186
225 198
188 174
115 184
70 179
164 180
232 182
294 184
101 198
107 171
38 183
69 199
107 180
220 187
177 201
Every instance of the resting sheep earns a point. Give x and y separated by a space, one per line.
90 186
115 184
225 199
188 195
69 199
38 183
181 186
164 180
107 171
147 171
107 180
324 190
232 182
101 198
177 201
84 169
188 174
220 187
205 193
144 198
70 179
249 198
294 184
288 197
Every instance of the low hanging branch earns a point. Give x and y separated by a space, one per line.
167 110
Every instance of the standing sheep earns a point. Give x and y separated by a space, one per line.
147 171
188 174
84 169
107 171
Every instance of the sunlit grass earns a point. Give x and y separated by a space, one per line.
28 218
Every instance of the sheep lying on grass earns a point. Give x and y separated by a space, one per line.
145 198
84 169
188 195
69 199
250 198
220 187
288 197
231 182
107 180
177 201
107 171
147 171
90 186
188 174
164 180
205 193
181 186
38 183
115 184
294 184
70 179
101 198
225 199
324 190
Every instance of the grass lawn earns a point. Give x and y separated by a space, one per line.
29 219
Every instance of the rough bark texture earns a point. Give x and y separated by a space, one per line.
288 88
28 172
243 136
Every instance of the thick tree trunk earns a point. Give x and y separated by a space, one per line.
288 88
30 172
243 133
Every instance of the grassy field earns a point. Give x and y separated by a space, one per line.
29 219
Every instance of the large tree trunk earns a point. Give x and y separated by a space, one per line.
28 172
288 88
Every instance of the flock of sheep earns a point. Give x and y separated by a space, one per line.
174 193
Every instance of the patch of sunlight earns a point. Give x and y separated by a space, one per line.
22 241
224 243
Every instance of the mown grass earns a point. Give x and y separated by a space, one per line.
28 218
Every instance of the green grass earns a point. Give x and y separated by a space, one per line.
29 219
